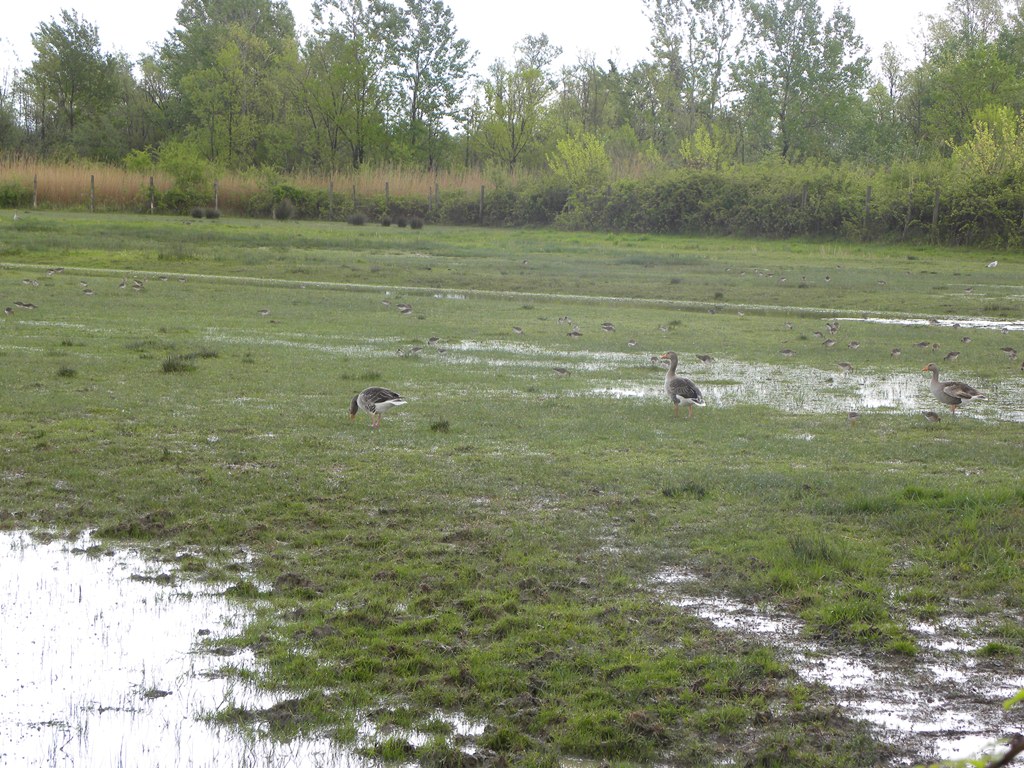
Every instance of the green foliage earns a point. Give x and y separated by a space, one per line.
582 163
191 174
14 195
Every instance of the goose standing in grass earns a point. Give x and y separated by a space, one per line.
951 393
375 401
681 391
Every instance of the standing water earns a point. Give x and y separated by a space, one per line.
103 666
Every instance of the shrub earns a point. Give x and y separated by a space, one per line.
357 219
212 213
385 221
416 223
197 212
13 195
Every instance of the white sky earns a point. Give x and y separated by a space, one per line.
616 29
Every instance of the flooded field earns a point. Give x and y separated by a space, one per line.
107 663
110 660
943 704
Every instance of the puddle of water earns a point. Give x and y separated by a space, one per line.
941 702
944 322
798 389
103 664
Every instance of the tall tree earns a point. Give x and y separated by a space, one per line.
355 95
515 99
693 41
800 79
965 69
71 80
228 61
433 67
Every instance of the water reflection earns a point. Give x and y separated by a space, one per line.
799 389
101 666
943 697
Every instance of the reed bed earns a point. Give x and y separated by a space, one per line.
82 185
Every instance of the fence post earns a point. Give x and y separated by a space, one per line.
330 199
152 195
803 195
35 190
354 201
92 193
481 203
216 195
387 197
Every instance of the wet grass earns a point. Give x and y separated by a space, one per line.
488 550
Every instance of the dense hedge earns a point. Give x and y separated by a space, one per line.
937 202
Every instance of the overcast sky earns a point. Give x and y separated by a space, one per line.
618 30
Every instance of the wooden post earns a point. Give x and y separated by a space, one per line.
92 193
803 195
216 195
35 190
481 203
354 203
330 199
387 197
152 195
437 196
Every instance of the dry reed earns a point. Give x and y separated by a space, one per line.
79 185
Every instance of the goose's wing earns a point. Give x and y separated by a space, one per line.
685 389
961 390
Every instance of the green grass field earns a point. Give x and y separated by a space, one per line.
489 551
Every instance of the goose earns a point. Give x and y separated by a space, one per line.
680 390
952 393
374 400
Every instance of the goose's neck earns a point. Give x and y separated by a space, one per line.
672 363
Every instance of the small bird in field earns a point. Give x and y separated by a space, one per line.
931 416
852 417
951 356
706 358
896 352
681 391
375 401
951 393
845 367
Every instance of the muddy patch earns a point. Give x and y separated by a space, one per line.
109 659
945 703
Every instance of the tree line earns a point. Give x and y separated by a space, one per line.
728 84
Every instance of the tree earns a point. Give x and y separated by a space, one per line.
514 102
433 66
228 61
338 95
693 42
349 89
970 62
801 80
71 80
